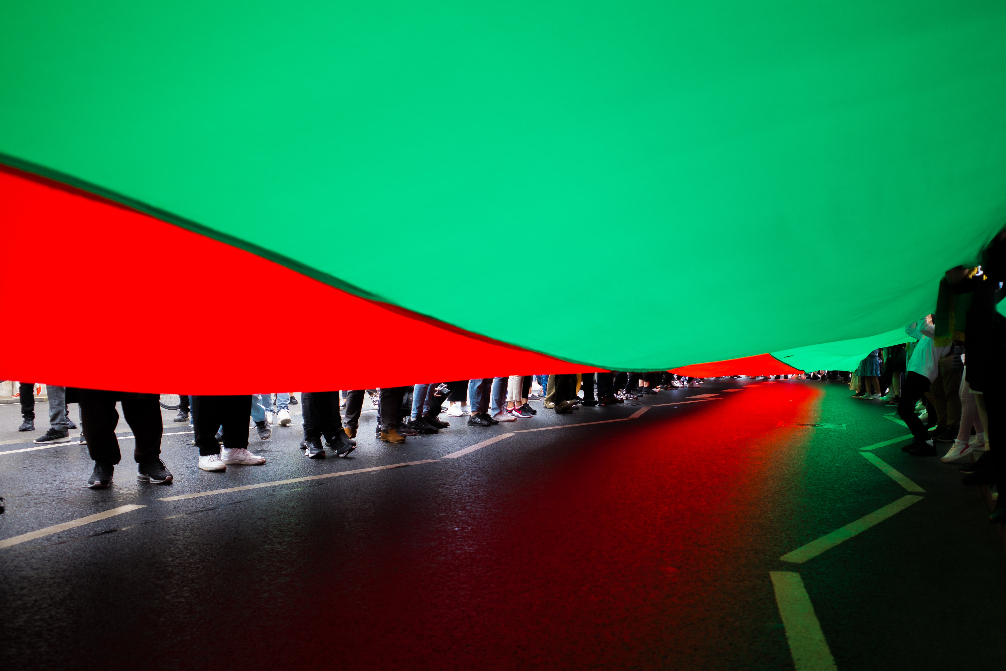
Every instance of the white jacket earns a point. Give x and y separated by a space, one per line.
926 356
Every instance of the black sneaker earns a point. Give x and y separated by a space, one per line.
527 408
436 422
478 419
182 416
404 430
101 477
27 425
948 435
926 449
608 400
488 418
70 425
342 444
313 449
264 432
589 402
421 426
154 472
293 400
54 436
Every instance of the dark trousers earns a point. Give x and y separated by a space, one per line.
915 386
183 403
631 382
525 389
321 415
209 413
565 388
587 384
459 391
389 406
99 419
354 406
26 394
604 388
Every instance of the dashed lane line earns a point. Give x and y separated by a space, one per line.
478 446
896 419
636 415
73 442
825 543
885 443
48 531
803 630
289 481
897 476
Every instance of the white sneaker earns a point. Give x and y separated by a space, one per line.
268 417
958 449
211 462
977 442
504 417
283 416
454 410
923 415
240 456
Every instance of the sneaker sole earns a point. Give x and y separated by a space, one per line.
346 453
147 478
213 470
52 442
284 422
98 485
244 463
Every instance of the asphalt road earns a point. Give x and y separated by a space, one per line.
647 542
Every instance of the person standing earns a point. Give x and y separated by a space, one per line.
26 395
322 419
59 417
99 418
922 370
232 413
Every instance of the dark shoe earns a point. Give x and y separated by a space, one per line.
27 425
563 408
264 432
589 402
101 477
435 421
527 408
479 420
608 400
392 436
926 449
313 449
420 426
182 416
349 431
154 472
54 436
293 400
70 426
403 429
83 440
1 505
948 435
520 412
488 418
342 445
548 405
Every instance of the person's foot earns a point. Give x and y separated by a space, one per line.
435 421
293 399
70 426
548 405
83 440
564 408
608 400
241 455
893 401
478 420
420 426
392 436
405 430
485 415
504 416
313 449
27 425
263 430
527 408
342 445
958 450
154 472
518 411
454 409
182 416
590 403
211 462
283 417
948 435
924 449
101 476
53 436
349 431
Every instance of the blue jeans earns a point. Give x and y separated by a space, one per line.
283 401
261 403
478 394
422 396
498 402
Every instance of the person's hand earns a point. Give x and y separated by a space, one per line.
929 319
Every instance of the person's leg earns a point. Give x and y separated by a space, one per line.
474 395
951 389
550 391
207 416
604 386
969 414
939 399
587 384
514 386
99 419
282 401
354 407
389 402
565 391
312 422
526 387
497 398
259 404
631 383
57 408
26 395
419 393
915 386
236 410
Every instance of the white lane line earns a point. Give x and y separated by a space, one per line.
897 476
74 442
661 405
803 630
824 543
308 478
704 396
885 443
48 531
896 420
478 446
636 415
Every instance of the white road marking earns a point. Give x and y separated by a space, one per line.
894 475
824 543
478 446
308 478
48 531
803 630
704 396
661 405
896 420
74 442
885 443
635 415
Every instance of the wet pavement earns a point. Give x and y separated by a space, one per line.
646 542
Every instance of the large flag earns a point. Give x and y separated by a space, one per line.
232 196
